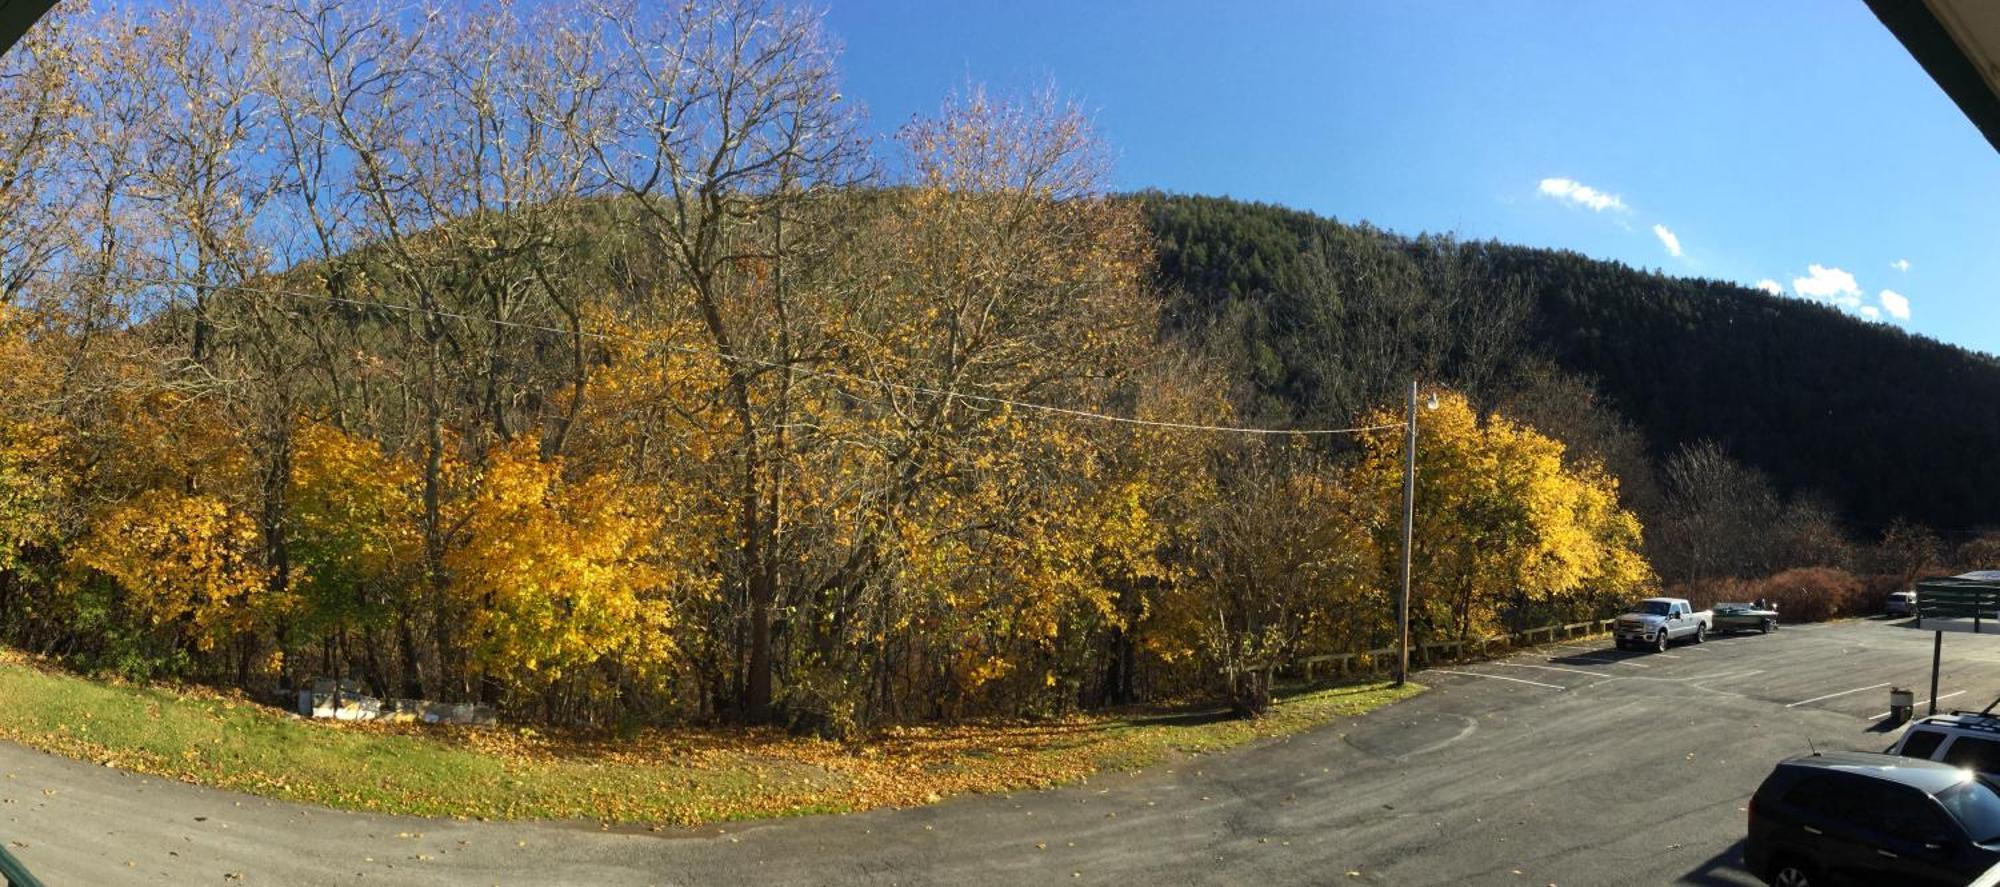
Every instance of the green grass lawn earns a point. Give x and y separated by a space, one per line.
666 777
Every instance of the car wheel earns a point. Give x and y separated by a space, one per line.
1700 633
1788 873
1767 626
1660 642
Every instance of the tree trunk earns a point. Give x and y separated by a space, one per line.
757 686
413 664
1250 692
434 541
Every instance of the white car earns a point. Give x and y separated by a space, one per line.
1901 603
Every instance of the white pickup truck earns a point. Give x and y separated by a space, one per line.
1658 621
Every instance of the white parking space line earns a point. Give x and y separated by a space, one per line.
1474 674
1600 659
1594 674
1919 702
1841 693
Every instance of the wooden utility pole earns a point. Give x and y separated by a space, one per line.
1409 535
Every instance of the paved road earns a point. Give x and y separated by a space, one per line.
1573 765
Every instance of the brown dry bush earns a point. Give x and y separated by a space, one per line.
1806 594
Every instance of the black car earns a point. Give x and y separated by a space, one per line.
1861 818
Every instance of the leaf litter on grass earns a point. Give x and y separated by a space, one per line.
679 776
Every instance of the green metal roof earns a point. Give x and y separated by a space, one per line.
1973 595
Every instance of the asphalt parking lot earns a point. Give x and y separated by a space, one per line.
1570 765
1671 745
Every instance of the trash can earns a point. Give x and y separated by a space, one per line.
1902 704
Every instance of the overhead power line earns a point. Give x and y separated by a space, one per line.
1049 409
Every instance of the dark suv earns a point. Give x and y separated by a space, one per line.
1860 818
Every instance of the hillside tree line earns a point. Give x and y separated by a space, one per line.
1750 433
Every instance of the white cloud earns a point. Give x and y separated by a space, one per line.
1838 288
1895 303
1828 285
1668 240
1900 264
1581 194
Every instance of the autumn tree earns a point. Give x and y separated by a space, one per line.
40 115
1283 566
33 482
38 481
357 546
1982 552
1002 274
186 569
571 584
1809 532
1717 513
1909 552
730 126
1570 408
436 167
1507 535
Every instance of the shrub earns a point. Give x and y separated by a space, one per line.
1813 594
1876 588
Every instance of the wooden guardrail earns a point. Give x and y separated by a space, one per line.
1382 660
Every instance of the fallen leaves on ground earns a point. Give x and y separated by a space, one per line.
676 776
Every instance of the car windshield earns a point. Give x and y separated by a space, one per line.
1976 807
1655 608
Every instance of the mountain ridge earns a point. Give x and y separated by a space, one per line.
1886 423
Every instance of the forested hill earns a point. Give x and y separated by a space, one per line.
1324 316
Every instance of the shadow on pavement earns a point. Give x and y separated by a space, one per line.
1190 718
1722 868
1739 634
1886 725
1598 656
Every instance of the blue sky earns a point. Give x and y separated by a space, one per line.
1795 143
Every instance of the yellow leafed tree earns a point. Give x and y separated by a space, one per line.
560 576
1507 533
33 482
355 540
187 564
